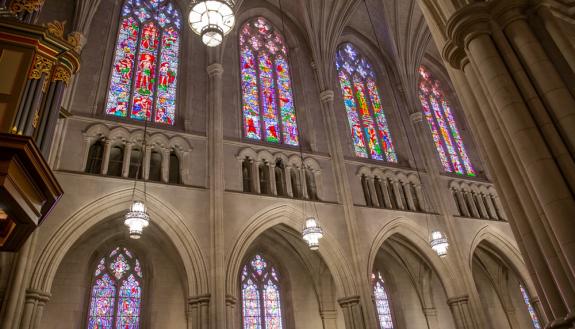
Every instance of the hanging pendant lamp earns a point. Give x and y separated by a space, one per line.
212 20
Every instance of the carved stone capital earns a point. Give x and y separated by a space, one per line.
348 301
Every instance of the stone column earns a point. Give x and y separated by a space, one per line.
255 176
344 195
431 317
561 40
287 177
460 310
318 188
86 150
482 210
126 159
166 165
146 165
328 319
216 193
386 196
397 192
372 192
303 182
530 150
498 207
34 309
409 196
198 312
419 195
106 156
12 305
471 203
543 73
272 178
231 302
352 312
489 205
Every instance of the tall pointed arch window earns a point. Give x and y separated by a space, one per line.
261 302
116 294
439 115
358 82
267 100
145 67
381 302
530 309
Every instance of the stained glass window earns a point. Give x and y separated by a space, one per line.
116 294
268 106
534 318
439 116
261 302
144 71
369 129
381 302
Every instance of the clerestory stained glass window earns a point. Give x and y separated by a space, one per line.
116 295
441 120
267 100
369 129
144 71
261 302
381 302
532 314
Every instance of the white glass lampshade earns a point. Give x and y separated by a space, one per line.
312 232
212 20
439 243
137 219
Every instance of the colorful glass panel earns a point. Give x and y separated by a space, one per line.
446 136
129 304
352 117
123 67
143 80
272 306
370 132
530 309
101 313
116 294
381 302
268 106
251 306
166 97
261 302
367 119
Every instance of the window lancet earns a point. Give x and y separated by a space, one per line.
369 129
145 66
261 302
268 105
532 313
381 302
116 294
439 115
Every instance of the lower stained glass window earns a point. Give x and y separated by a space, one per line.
381 302
530 309
116 294
261 302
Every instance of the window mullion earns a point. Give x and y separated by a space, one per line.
262 305
135 69
260 95
278 102
371 111
156 76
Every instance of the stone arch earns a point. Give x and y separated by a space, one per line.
291 217
247 152
265 156
169 221
311 163
97 130
295 161
413 235
158 139
503 247
119 133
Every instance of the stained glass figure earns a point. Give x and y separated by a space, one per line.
268 106
369 129
116 294
381 302
261 302
439 116
143 79
532 314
